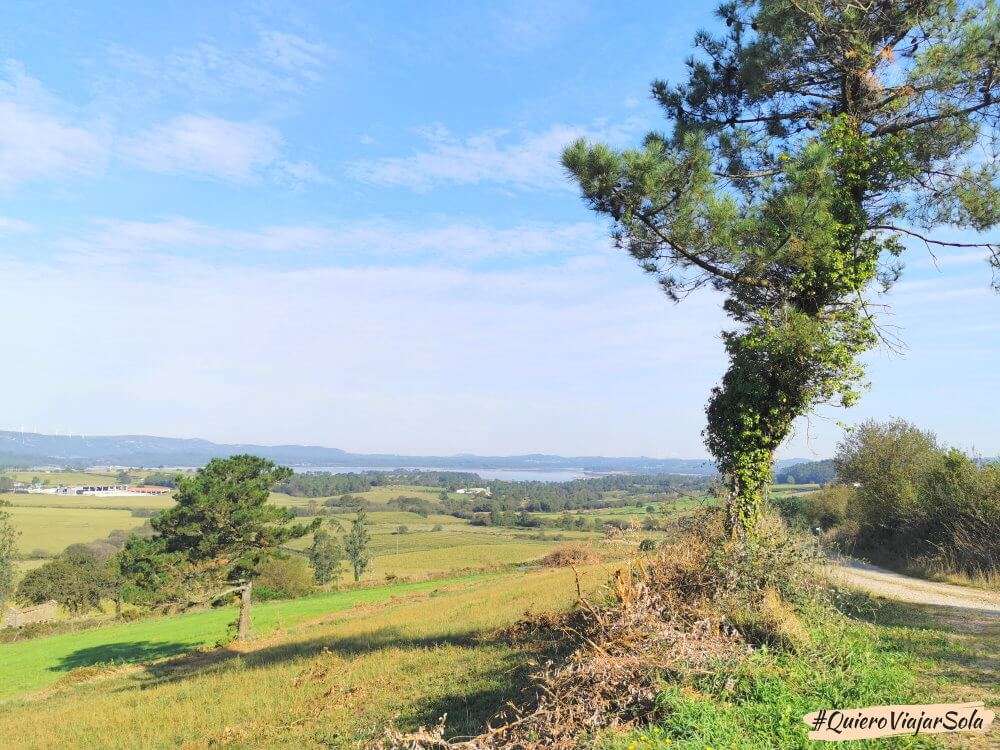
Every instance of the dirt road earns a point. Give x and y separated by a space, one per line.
915 590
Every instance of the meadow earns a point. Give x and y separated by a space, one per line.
49 529
333 670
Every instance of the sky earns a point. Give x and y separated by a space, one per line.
345 224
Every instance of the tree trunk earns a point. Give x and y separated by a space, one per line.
243 630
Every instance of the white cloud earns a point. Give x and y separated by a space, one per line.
367 358
214 147
281 63
525 160
36 141
292 53
364 241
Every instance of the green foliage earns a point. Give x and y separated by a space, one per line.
286 577
759 704
822 509
357 543
799 138
222 519
808 472
920 504
78 579
162 479
886 460
8 548
325 556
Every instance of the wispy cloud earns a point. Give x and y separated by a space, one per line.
280 63
36 140
14 226
213 147
521 160
368 241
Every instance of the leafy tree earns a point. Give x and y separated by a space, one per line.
8 537
77 579
887 461
356 544
807 142
223 527
286 577
325 555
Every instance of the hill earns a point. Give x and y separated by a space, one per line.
35 449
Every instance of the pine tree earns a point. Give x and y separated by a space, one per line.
808 141
223 525
8 548
356 544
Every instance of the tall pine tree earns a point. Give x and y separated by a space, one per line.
807 142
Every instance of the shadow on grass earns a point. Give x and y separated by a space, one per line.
125 652
470 699
964 644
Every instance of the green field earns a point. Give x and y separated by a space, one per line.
33 664
330 671
53 529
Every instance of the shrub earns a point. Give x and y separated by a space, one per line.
822 509
917 505
284 578
571 554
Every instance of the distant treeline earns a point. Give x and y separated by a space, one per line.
808 472
578 494
322 484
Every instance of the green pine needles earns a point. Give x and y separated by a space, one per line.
807 142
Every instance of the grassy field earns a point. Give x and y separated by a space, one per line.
52 529
34 664
324 683
340 674
53 478
124 502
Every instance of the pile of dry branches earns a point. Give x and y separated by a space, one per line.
658 620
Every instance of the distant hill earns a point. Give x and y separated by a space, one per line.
34 449
806 472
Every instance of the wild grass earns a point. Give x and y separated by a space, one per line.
334 682
33 664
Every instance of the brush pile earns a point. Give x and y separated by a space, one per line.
662 619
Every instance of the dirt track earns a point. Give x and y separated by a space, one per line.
903 588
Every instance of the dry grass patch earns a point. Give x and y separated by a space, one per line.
568 555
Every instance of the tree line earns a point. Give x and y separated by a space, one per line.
219 539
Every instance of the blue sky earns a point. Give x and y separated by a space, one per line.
345 224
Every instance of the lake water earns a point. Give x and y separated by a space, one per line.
508 475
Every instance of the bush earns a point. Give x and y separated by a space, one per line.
917 505
822 509
284 578
571 554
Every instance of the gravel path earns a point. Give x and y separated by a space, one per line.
915 590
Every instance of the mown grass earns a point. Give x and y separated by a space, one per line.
338 676
34 664
331 683
52 529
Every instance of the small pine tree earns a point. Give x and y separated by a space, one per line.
356 544
326 556
224 525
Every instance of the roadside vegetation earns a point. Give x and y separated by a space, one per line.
909 503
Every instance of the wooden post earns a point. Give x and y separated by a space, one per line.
243 631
